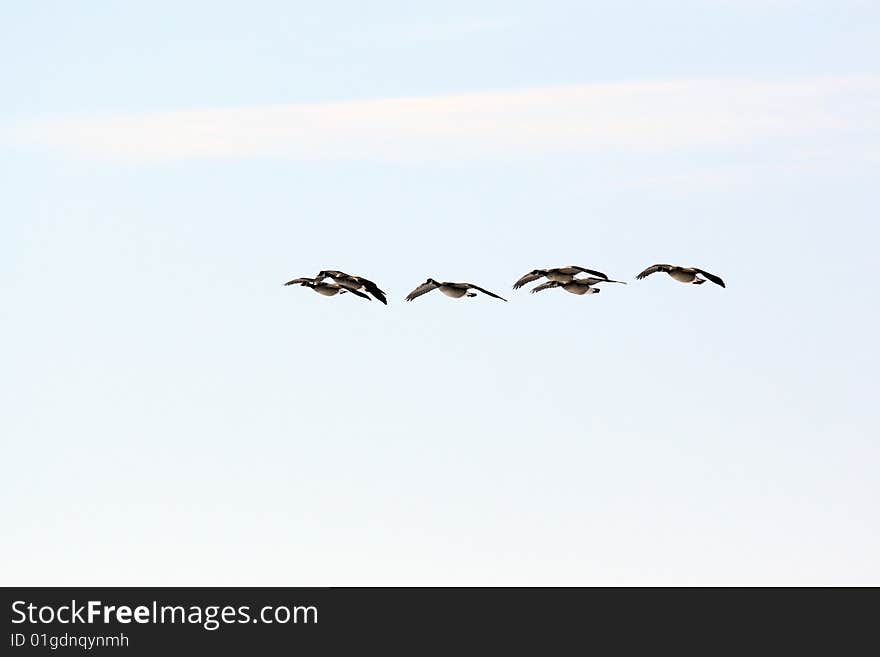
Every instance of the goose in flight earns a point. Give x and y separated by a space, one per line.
454 290
327 289
352 283
683 274
557 274
577 286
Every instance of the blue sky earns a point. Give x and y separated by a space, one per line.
173 415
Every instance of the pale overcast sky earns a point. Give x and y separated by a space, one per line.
173 415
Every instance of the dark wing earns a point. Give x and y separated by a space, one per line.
356 293
528 278
424 288
590 271
712 277
373 289
300 281
545 286
593 281
491 294
653 269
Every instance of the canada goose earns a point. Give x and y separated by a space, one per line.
683 274
350 282
454 290
576 285
327 289
557 274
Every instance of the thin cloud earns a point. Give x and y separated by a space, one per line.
623 117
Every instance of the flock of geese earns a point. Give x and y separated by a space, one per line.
565 278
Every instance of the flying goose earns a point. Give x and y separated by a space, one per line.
557 274
352 283
683 274
327 289
577 286
454 290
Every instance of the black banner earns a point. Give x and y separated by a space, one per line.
153 621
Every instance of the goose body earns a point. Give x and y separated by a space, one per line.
352 283
692 275
454 290
325 289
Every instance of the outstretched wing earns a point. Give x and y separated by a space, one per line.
712 277
491 294
300 281
545 286
356 293
373 289
590 271
528 278
424 288
590 280
653 269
